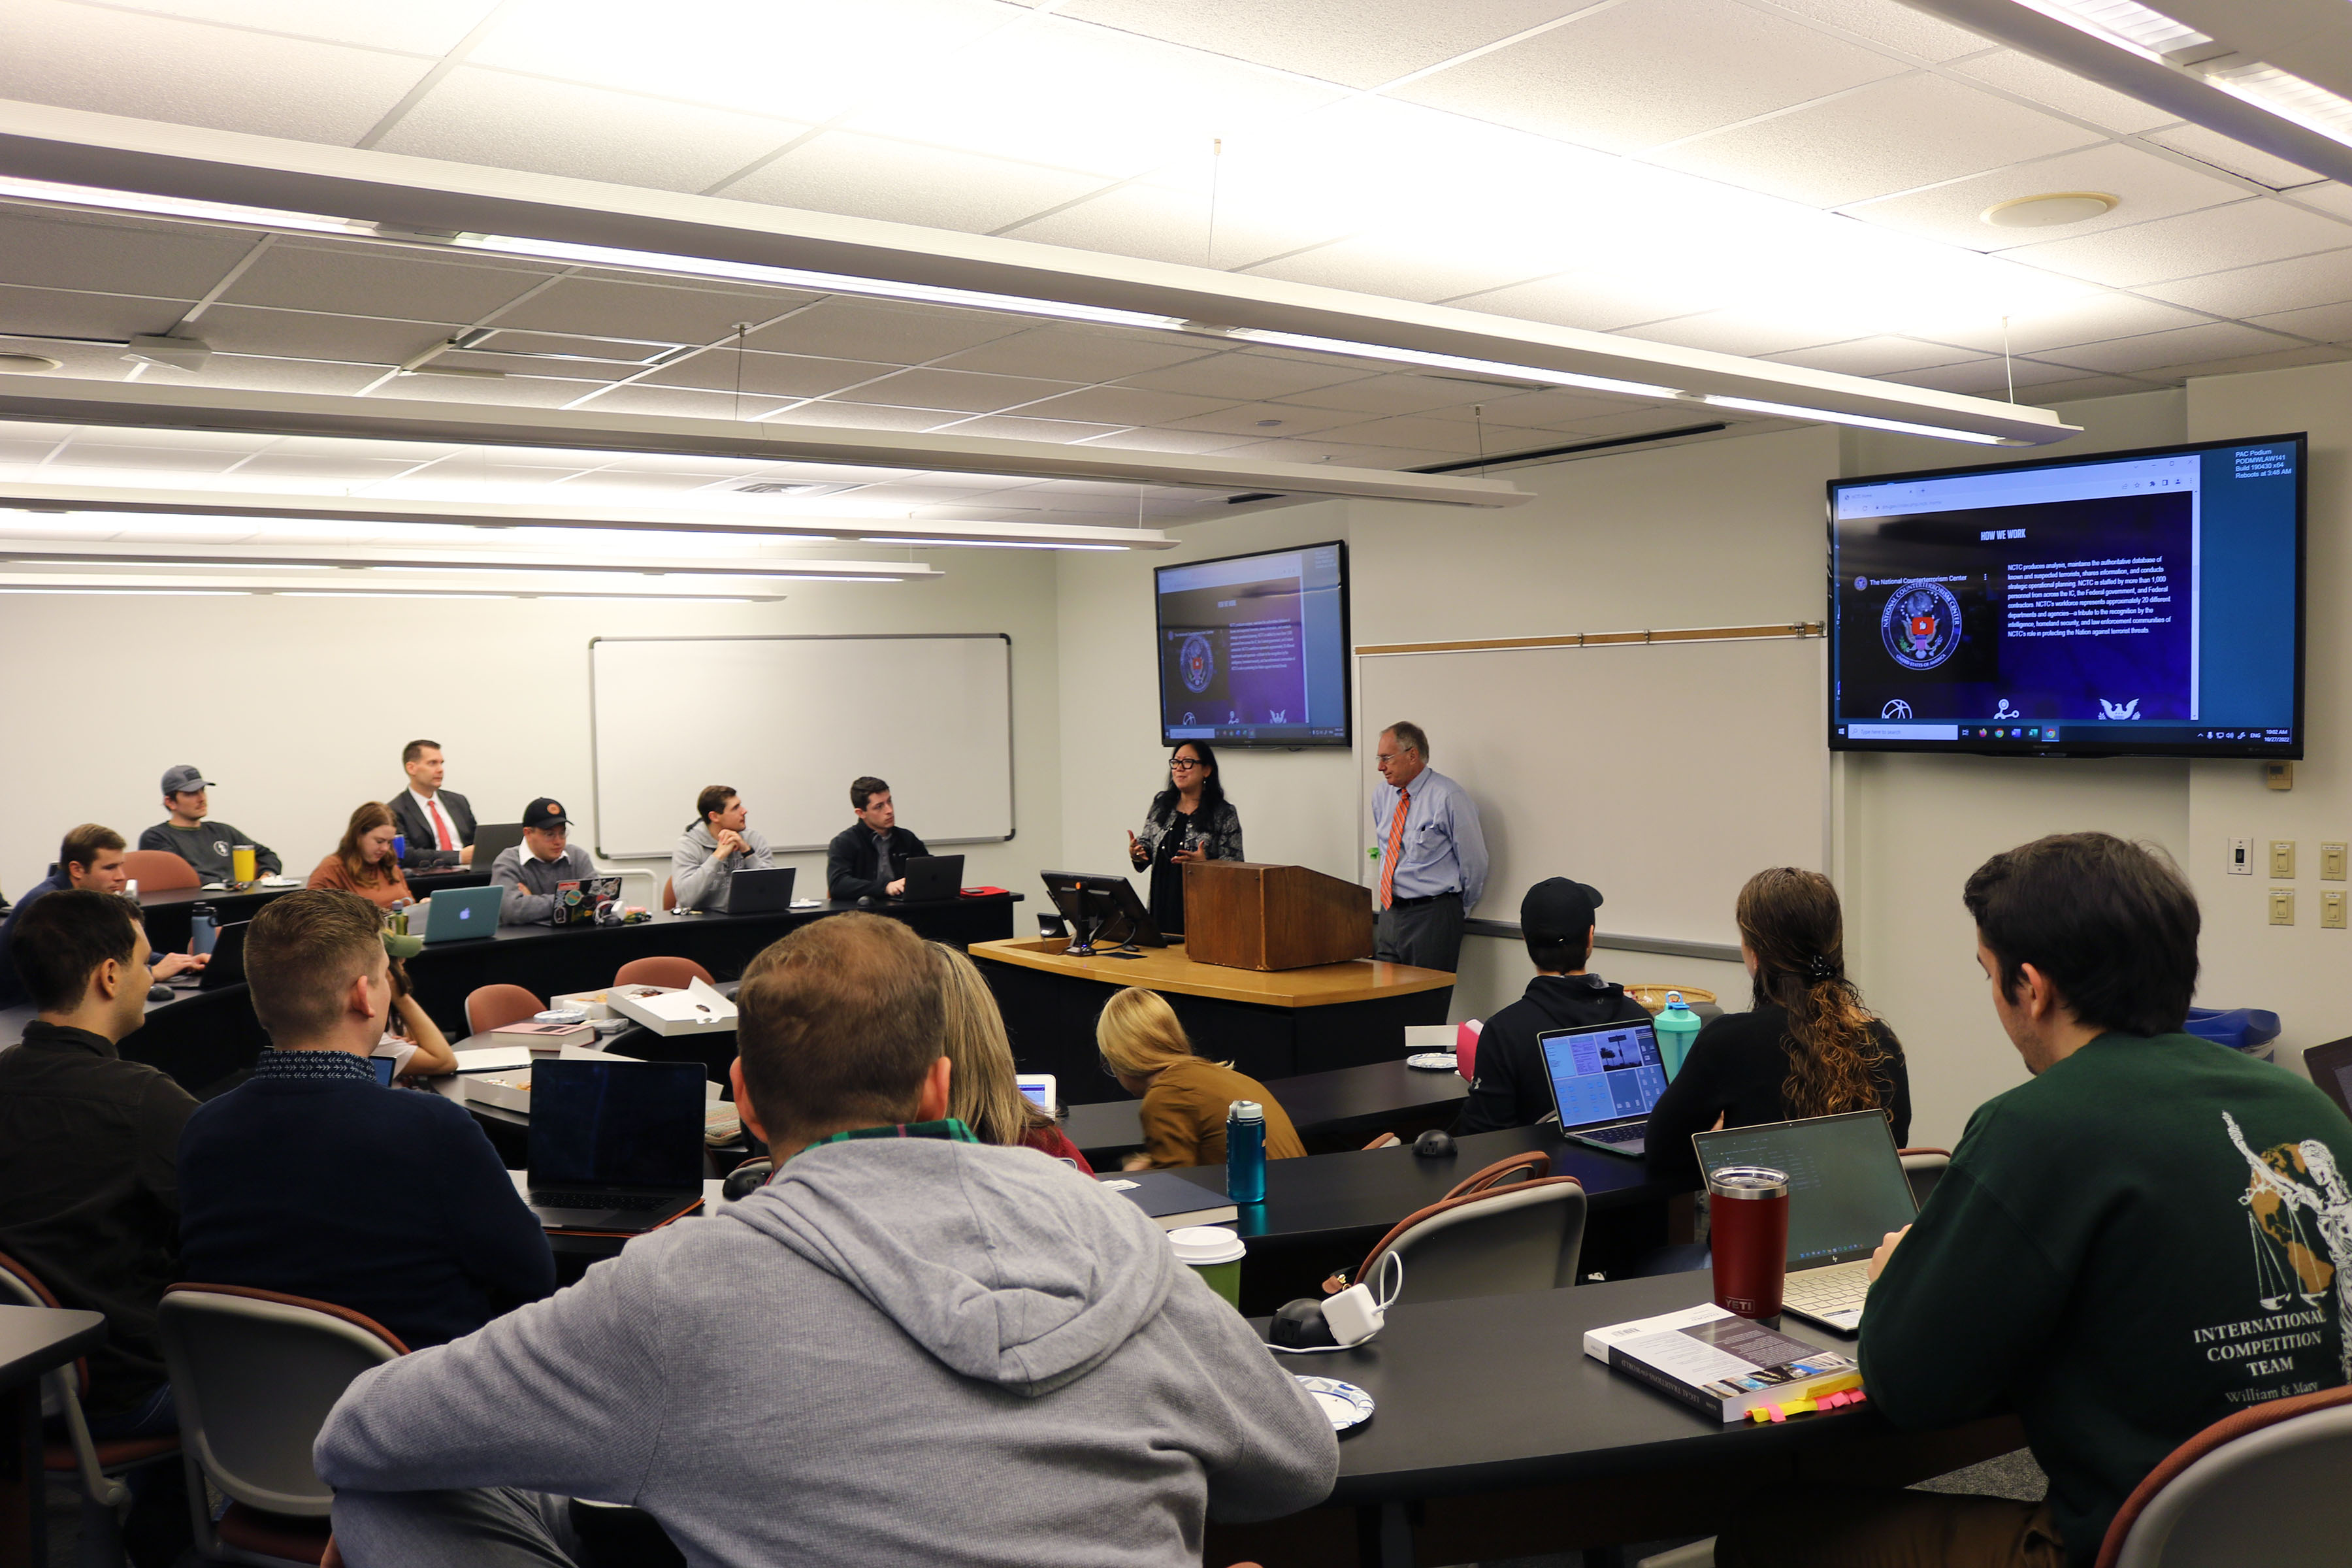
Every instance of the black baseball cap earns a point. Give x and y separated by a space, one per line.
545 811
1559 908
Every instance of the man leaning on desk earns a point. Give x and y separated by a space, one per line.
532 869
868 860
438 823
720 843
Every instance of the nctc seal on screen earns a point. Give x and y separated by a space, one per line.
1198 662
1920 626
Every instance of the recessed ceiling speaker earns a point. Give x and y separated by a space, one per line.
2051 209
28 365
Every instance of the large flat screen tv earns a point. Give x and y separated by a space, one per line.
1254 648
2145 603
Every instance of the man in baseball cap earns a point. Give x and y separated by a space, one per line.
1511 1089
531 871
204 845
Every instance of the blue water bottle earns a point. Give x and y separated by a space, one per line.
203 929
1245 1152
1678 1026
400 848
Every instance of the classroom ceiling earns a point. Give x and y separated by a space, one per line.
1796 180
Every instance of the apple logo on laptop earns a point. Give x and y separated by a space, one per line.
466 914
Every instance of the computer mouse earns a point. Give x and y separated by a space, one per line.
1300 1325
160 994
1436 1144
867 902
746 1179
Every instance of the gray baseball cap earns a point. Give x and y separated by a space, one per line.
179 780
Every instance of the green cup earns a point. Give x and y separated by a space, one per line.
1215 1255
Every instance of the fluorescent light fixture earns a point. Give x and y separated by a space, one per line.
1831 416
176 555
994 544
1449 362
159 593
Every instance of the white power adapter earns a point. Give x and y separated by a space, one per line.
1355 1314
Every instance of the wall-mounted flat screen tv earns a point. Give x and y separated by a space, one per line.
1254 648
2146 603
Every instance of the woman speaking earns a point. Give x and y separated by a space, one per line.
1190 820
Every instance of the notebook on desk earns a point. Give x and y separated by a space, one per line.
1604 1079
615 1145
1846 1190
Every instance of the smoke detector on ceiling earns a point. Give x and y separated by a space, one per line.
2050 210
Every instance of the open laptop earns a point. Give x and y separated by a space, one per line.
576 902
460 914
1604 1078
933 876
1037 1088
492 840
226 966
1846 1190
760 892
2330 1066
615 1146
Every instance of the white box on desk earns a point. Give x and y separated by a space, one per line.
598 1003
697 1010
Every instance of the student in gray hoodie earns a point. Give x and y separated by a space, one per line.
719 843
908 1348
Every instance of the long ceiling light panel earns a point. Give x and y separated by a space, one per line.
118 163
248 557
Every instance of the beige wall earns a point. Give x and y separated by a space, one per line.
298 707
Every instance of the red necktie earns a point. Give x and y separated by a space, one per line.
1396 847
440 826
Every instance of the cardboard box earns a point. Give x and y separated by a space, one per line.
697 1010
598 1003
507 1090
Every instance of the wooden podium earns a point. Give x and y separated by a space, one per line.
1244 915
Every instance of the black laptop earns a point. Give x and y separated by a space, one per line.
226 966
1604 1079
492 840
2330 1066
933 876
615 1146
760 892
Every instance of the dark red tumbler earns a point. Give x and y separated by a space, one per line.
1747 1218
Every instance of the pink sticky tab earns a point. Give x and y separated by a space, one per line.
1777 1414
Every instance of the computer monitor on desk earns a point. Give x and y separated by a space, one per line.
492 840
1103 908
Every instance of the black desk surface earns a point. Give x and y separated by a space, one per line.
35 1339
1441 1375
1343 1100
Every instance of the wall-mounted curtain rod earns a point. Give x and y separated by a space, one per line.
1795 629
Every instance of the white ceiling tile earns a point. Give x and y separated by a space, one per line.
296 334
868 176
1242 373
864 416
903 334
416 287
674 403
1381 264
807 59
511 121
1894 26
1876 356
961 390
159 68
768 376
663 312
1459 436
2239 235
1159 225
2095 318
2062 90
2283 359
1626 76
2330 197
2225 152
2149 187
1317 450
1389 394
1167 440
1016 428
1597 302
1539 410
58 312
244 374
2327 324
2065 391
415 27
2213 341
2272 286
515 391
1362 43
234 442
1891 136
1124 406
1077 353
106 255
94 455
294 466
1735 332
1985 377
1267 421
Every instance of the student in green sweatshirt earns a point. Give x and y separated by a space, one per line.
2154 1233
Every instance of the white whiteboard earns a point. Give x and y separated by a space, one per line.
789 721
1665 774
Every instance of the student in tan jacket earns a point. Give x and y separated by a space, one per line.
1184 1097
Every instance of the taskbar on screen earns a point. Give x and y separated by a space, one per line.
2091 735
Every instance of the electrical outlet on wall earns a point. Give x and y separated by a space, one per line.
2282 906
2241 856
2283 858
2331 912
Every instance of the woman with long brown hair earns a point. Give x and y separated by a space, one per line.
363 862
1808 1047
983 1087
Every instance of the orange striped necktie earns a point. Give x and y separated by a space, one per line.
1396 847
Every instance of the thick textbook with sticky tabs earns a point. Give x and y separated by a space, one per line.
1715 1362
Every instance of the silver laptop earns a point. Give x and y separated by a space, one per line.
1846 1190
1604 1078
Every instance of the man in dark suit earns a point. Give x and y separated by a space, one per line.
437 823
868 859
312 1179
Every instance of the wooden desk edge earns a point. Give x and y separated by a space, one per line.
1045 956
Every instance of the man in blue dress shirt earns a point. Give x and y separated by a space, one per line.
1430 855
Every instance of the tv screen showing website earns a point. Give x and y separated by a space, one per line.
1254 648
2147 603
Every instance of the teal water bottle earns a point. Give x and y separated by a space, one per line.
1245 1152
1678 1026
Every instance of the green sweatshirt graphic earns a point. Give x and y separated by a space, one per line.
2150 1236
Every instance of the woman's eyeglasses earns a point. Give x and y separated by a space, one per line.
1186 763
